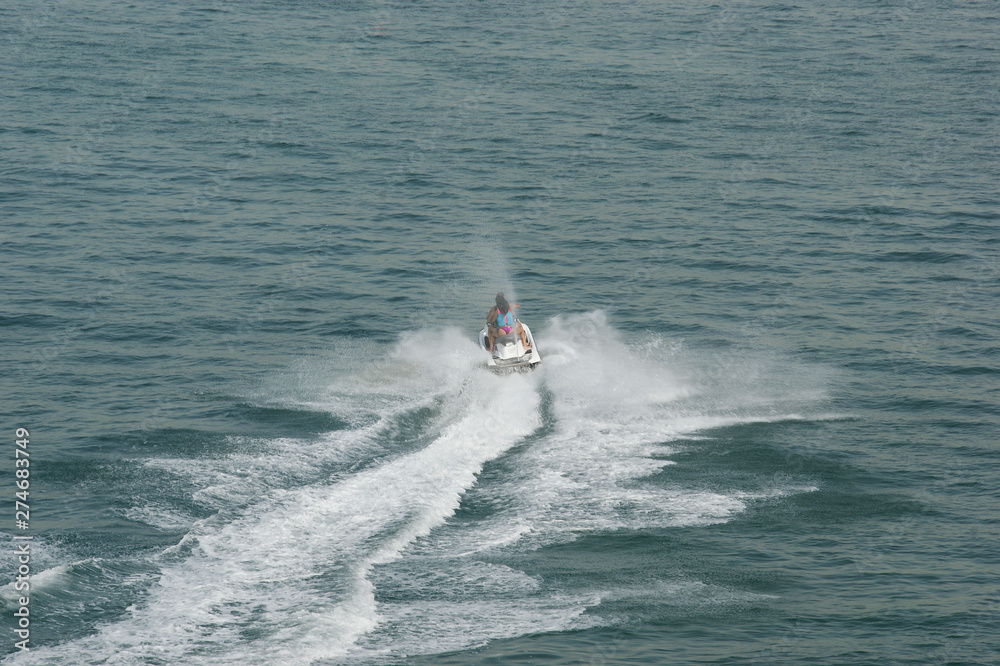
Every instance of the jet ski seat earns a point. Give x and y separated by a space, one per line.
506 338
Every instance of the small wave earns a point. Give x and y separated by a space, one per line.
44 580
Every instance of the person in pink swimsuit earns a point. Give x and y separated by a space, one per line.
501 320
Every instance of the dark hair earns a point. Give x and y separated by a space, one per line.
502 305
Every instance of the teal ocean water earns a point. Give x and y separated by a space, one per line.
248 245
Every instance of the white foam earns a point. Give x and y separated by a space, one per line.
617 408
613 425
159 516
444 626
440 604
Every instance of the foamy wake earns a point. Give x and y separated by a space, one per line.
379 563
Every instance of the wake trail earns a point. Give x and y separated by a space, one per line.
371 566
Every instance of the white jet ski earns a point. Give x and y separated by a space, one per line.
509 354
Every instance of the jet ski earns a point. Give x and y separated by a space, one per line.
509 354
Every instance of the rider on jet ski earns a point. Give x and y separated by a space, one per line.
501 321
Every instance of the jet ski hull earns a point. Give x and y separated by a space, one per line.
509 354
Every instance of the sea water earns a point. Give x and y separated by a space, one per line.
248 246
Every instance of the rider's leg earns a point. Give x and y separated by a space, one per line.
524 338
